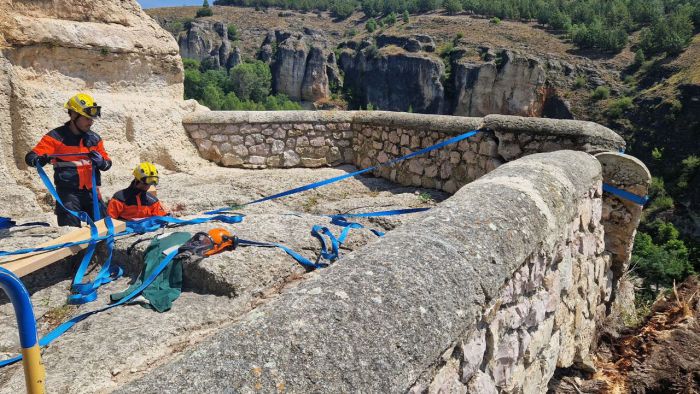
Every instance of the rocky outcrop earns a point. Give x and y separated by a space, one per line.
412 43
110 49
511 84
207 40
393 79
302 64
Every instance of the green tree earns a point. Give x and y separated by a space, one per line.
406 16
428 5
251 80
193 84
213 97
205 10
452 6
670 34
342 9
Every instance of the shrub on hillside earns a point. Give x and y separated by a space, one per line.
232 32
371 25
619 106
600 93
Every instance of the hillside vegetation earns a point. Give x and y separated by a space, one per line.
667 25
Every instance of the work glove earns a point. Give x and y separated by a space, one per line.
90 139
97 159
42 160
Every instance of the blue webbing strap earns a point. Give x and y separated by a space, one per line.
341 220
137 227
86 291
640 200
6 223
58 331
325 182
299 258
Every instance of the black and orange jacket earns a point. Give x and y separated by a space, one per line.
132 203
70 172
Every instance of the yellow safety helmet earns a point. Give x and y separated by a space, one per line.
84 105
146 172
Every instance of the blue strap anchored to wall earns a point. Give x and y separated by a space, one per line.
328 181
640 200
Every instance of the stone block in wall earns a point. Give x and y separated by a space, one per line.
231 160
290 159
313 162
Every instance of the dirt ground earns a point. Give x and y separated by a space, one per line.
659 356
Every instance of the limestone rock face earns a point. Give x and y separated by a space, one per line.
511 84
107 48
301 65
393 79
208 39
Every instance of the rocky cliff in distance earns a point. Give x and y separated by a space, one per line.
509 84
393 77
112 50
208 39
402 72
303 65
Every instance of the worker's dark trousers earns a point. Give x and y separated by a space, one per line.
76 200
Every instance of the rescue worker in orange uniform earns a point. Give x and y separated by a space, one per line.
73 174
135 202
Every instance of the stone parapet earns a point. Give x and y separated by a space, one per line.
368 138
490 290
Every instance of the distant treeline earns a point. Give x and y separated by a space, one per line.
667 25
246 87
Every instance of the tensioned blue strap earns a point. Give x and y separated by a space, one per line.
58 331
154 223
640 200
325 182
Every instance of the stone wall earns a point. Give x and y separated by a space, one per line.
490 290
368 138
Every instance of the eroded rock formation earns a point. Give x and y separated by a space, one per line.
303 65
112 50
207 40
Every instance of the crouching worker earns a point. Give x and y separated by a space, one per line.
135 202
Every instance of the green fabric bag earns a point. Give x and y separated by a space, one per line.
167 286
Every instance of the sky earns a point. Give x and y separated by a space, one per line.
168 3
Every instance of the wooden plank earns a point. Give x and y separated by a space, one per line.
24 264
